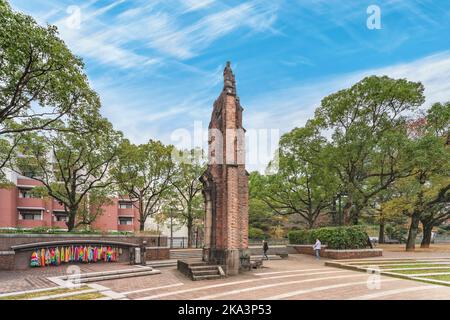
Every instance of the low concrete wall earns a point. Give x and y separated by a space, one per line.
336 254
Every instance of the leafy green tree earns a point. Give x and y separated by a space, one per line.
72 166
367 126
41 81
436 128
303 185
260 216
189 166
143 173
424 195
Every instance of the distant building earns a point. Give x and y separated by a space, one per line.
19 208
164 228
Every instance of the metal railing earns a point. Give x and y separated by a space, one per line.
182 242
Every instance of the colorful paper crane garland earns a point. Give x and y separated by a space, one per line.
87 254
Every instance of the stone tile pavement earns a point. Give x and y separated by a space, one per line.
36 278
299 277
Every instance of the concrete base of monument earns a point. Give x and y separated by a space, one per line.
197 269
216 263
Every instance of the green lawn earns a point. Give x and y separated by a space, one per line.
84 296
49 292
416 265
444 277
423 271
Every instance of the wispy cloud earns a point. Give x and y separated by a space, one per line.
290 107
188 41
147 33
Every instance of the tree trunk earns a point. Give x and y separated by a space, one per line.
412 234
346 212
189 227
381 233
71 218
334 213
427 229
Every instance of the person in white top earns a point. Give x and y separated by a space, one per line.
317 246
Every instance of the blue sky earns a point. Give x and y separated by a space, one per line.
157 64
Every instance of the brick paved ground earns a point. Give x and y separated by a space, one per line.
299 277
36 278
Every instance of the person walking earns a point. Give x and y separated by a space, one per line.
265 249
317 246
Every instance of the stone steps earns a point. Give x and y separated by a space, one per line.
162 263
208 277
185 254
109 275
120 276
200 270
205 272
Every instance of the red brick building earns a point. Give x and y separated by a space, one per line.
19 208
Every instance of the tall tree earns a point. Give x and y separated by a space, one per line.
303 184
71 166
189 166
436 124
143 173
366 122
41 81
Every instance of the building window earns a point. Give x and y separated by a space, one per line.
125 221
125 205
27 193
60 216
30 214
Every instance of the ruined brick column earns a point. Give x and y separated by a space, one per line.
226 182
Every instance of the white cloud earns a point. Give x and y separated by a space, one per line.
187 42
293 106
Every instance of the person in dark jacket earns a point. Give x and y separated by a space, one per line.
265 249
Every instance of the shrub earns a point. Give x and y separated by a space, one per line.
299 237
334 237
256 233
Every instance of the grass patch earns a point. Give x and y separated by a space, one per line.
444 277
84 296
423 271
49 292
379 262
416 265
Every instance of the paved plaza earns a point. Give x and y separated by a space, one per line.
298 277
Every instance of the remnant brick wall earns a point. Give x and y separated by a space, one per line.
229 176
7 260
339 254
157 254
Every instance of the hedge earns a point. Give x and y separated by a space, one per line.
256 233
334 237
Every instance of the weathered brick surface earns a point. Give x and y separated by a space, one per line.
7 260
157 254
226 180
338 254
